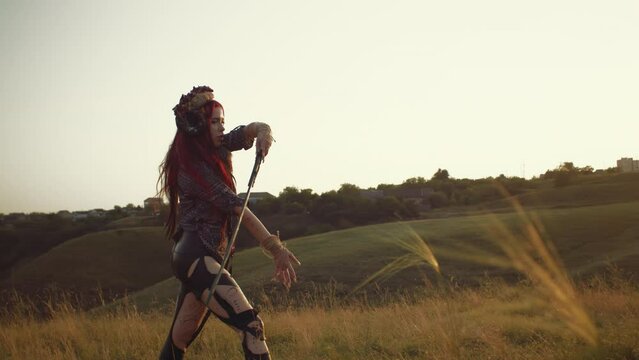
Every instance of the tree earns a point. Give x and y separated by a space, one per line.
564 178
293 208
388 207
292 194
349 190
566 172
567 166
327 207
385 186
586 170
414 181
288 193
441 175
267 206
438 199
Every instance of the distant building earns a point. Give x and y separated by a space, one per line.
627 165
418 195
79 215
153 205
256 196
65 214
96 213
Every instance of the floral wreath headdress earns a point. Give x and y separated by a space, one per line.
188 118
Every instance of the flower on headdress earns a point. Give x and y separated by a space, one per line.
185 119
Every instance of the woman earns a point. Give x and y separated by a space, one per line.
197 170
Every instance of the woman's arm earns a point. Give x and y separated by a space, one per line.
253 224
284 258
211 188
262 133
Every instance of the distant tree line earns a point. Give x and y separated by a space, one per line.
567 172
294 211
349 206
340 208
348 203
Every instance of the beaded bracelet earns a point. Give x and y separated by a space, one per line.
272 245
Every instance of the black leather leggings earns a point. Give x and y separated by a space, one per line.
196 269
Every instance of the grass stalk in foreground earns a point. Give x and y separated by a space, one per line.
537 258
525 251
482 323
418 252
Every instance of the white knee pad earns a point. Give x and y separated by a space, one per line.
254 339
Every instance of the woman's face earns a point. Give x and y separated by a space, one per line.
217 126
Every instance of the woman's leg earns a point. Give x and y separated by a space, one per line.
229 304
190 315
188 321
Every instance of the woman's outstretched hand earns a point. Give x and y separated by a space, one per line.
284 270
283 258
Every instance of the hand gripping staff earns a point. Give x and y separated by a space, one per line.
256 167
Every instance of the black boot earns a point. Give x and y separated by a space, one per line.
170 351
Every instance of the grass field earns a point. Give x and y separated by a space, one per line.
123 259
585 191
588 240
133 221
498 295
493 321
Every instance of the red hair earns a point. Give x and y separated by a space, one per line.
184 152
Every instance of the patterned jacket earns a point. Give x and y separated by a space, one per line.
206 210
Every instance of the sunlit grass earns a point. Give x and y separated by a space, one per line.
524 250
418 252
536 257
547 316
493 321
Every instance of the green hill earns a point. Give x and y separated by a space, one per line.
585 191
134 221
588 240
118 260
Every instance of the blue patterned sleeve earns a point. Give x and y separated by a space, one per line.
215 192
236 139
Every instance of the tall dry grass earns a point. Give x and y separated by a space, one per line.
526 249
548 317
418 252
494 321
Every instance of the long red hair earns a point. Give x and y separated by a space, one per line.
184 152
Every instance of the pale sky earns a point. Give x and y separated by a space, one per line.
362 92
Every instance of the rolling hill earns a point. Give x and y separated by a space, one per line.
593 223
588 239
118 260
